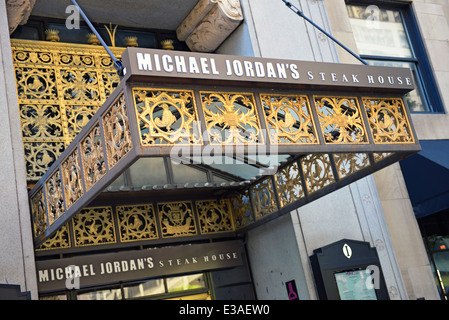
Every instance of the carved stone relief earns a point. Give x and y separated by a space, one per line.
18 12
209 24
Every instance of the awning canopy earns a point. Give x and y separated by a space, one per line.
426 175
270 134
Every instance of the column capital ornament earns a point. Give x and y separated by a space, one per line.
209 24
18 12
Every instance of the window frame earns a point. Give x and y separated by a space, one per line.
425 73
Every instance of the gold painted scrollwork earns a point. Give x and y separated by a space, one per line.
231 118
341 120
241 209
350 163
39 217
60 240
116 132
388 120
214 216
137 222
317 170
177 219
59 88
167 117
55 200
39 156
264 199
288 184
289 119
93 226
71 177
92 154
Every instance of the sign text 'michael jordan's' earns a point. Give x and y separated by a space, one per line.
134 265
163 63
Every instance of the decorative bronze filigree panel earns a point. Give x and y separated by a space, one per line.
60 240
350 163
317 170
289 119
264 199
231 118
388 120
340 120
241 209
288 184
93 226
59 88
167 117
71 177
39 156
55 199
37 205
137 222
116 132
380 156
36 83
177 219
92 154
214 216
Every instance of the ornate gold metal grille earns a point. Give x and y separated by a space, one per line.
264 199
231 118
341 120
318 171
289 185
177 219
167 117
293 183
59 88
116 132
137 222
289 119
388 120
241 209
94 226
350 163
92 154
214 216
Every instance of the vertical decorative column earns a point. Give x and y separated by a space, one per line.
209 24
17 254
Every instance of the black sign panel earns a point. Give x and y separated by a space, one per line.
348 270
79 272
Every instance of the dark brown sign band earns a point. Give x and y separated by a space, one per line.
80 272
177 64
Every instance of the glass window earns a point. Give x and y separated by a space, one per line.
162 288
147 288
148 171
382 36
107 294
414 98
195 281
184 173
379 32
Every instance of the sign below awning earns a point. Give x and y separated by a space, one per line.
82 272
329 123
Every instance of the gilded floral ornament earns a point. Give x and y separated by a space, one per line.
167 117
231 118
341 120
